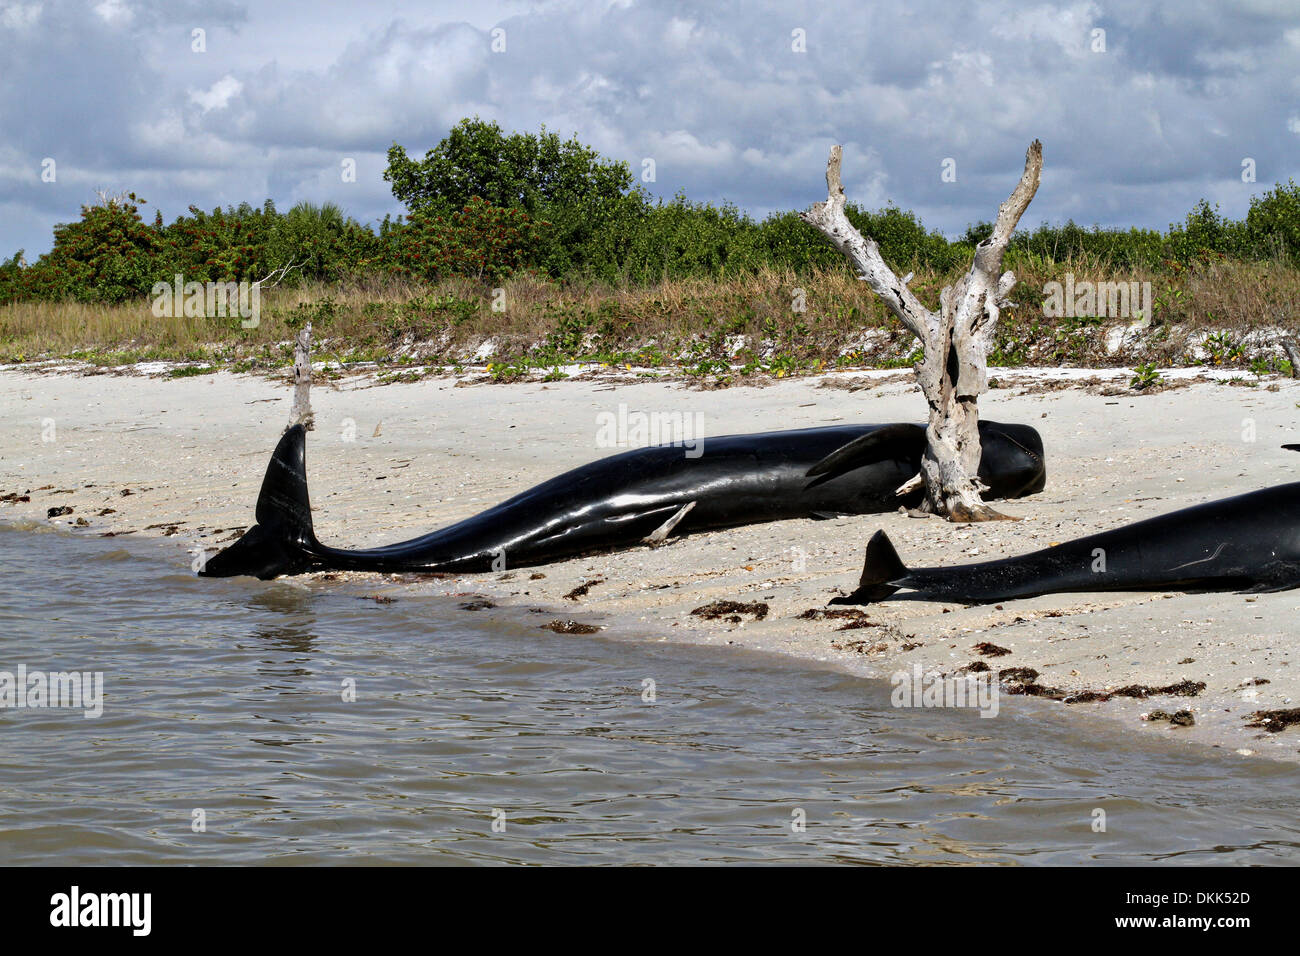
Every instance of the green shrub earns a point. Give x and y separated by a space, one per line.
480 240
1206 234
1273 222
1117 248
108 255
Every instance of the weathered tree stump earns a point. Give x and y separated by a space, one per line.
956 339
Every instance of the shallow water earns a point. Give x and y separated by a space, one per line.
226 696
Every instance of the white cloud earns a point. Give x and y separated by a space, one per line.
678 33
114 11
218 95
681 146
17 16
1067 28
160 133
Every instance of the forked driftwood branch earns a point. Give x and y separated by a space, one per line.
956 339
273 277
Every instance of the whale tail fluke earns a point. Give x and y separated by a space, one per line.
882 566
282 541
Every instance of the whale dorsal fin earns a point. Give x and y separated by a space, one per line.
899 441
880 567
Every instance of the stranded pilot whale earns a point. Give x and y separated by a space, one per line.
1249 542
642 495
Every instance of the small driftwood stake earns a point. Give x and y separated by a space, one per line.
301 413
956 339
1293 354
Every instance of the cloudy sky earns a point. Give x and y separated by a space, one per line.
1143 107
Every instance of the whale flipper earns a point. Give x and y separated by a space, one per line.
900 441
882 565
660 534
282 539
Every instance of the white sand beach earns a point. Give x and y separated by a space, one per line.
392 461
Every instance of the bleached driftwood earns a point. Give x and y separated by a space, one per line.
956 339
301 413
1292 354
279 272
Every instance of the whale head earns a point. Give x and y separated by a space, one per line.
1011 460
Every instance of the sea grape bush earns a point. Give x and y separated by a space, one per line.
108 255
480 240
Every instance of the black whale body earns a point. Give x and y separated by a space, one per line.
1249 542
616 502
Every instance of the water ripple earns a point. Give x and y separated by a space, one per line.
235 699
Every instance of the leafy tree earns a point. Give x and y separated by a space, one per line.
565 185
1206 232
532 172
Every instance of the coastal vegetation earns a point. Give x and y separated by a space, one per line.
524 253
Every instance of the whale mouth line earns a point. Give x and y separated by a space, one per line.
1217 551
1028 451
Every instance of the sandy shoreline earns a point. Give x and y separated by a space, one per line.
387 462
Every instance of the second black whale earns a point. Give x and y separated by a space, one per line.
640 495
1248 543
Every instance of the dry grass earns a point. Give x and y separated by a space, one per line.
696 323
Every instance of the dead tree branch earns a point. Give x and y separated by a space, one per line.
956 339
279 273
